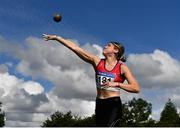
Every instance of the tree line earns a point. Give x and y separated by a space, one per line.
136 113
2 116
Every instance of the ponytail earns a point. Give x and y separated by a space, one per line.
123 58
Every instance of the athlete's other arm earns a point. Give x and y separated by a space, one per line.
83 54
131 86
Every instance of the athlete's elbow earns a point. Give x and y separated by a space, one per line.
137 89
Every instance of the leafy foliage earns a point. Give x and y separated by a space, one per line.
136 113
59 119
2 117
169 116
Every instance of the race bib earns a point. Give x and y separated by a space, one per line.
102 77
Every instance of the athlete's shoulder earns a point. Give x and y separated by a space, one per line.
100 63
122 63
123 67
102 60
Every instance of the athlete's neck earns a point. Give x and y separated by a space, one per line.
111 61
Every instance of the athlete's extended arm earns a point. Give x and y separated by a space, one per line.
131 86
86 56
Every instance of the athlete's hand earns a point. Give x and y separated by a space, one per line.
111 84
49 37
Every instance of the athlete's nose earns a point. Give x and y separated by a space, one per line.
105 46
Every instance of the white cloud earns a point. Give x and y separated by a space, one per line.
158 74
76 106
99 49
33 88
157 69
71 76
18 103
42 59
9 83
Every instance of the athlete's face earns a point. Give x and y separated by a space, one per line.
109 49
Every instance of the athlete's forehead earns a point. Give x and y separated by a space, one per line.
109 44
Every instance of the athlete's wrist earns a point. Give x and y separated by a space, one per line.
57 37
119 84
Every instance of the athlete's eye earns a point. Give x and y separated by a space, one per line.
109 45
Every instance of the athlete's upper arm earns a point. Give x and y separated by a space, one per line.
128 74
86 56
96 60
132 85
82 53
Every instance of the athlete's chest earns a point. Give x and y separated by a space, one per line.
104 75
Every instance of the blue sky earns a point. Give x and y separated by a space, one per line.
141 25
149 30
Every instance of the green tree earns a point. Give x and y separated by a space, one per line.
59 119
86 122
169 116
136 113
2 117
149 123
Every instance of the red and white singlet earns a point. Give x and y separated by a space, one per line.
103 75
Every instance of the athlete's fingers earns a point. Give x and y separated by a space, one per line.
46 37
49 37
113 84
106 84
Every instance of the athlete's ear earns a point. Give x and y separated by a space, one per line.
116 50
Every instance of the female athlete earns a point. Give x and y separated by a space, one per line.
111 72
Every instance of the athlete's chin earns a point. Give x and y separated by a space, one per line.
105 54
